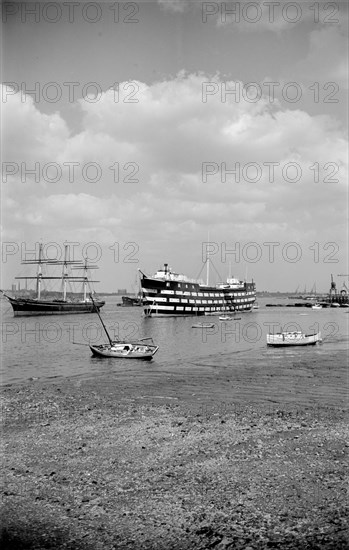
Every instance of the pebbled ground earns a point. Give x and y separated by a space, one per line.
92 465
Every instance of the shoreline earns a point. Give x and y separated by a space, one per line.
201 459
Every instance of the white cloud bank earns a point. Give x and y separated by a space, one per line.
169 133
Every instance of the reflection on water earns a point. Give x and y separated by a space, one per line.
54 346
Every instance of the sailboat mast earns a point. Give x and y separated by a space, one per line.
100 318
85 280
65 272
39 274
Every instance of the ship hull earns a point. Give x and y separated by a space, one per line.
129 301
164 298
27 307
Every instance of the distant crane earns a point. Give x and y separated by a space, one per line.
333 285
345 288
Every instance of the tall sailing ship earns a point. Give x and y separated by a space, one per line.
66 303
168 293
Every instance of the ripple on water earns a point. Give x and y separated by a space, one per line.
47 354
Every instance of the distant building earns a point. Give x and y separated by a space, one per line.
122 291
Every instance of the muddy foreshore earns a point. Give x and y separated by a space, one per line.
234 459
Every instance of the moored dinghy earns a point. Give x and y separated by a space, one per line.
229 318
203 325
293 339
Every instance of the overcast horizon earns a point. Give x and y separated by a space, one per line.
142 133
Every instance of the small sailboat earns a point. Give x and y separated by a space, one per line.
126 350
143 349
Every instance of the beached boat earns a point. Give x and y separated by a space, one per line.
168 293
126 350
316 306
142 349
293 339
50 304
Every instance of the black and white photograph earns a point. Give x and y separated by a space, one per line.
174 291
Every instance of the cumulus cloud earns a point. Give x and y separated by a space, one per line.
30 134
170 134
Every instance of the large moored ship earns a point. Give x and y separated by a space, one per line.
168 293
39 305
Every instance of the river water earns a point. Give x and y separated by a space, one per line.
50 347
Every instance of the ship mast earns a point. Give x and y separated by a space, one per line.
207 270
85 279
65 272
207 261
65 275
39 274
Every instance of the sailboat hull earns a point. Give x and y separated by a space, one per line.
124 351
27 307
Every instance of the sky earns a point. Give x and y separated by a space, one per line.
172 131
